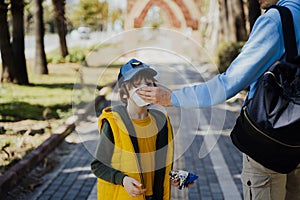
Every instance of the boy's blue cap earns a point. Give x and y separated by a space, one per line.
131 68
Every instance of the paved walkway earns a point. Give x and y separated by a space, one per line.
202 146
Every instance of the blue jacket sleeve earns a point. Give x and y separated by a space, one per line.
264 47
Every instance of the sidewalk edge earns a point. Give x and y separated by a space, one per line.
12 176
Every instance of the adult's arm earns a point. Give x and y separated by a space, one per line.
263 48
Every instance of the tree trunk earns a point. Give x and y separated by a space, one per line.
223 19
40 55
17 9
232 21
60 20
240 22
254 11
8 71
236 21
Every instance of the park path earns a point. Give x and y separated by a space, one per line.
202 146
202 142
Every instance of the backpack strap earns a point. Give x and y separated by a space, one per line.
160 154
290 44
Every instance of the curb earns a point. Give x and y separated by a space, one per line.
13 176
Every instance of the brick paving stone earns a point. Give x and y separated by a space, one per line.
45 197
233 160
57 195
73 181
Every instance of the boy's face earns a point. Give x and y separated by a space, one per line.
133 86
142 82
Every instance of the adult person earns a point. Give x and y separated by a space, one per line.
264 47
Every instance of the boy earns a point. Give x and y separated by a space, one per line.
135 150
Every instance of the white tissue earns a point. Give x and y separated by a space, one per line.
136 98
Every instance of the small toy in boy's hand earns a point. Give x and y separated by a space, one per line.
183 177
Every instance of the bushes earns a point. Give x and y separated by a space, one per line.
227 52
76 55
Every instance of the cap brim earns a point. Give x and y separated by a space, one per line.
133 72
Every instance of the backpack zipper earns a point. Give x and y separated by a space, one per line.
272 74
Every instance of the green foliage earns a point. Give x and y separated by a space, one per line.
227 52
76 55
29 102
29 111
90 13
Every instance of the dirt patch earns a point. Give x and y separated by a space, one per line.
20 138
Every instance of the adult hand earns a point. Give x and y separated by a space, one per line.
133 187
156 95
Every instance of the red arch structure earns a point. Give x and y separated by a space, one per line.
190 22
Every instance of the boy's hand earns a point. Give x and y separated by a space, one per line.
175 183
133 187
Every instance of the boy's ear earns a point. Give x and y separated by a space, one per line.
123 95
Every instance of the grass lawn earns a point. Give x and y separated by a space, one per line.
44 105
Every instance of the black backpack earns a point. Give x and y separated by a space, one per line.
268 128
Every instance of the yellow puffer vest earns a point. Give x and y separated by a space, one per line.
125 157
